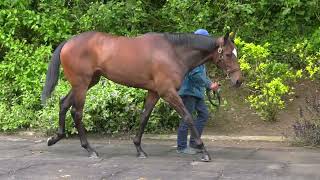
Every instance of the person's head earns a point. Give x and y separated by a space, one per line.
202 32
225 56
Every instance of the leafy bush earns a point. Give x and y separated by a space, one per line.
307 128
267 79
21 84
307 133
279 44
122 18
308 53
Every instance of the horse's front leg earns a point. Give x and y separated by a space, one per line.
172 97
151 100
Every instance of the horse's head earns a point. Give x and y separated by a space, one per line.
225 57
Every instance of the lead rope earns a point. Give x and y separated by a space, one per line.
216 94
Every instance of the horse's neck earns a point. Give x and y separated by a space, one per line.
192 49
192 59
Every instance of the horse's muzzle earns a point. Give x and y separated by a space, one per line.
238 83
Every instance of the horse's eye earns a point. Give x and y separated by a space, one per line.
229 55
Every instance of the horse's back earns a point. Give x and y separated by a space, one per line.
125 60
130 61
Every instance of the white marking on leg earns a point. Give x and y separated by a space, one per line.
49 139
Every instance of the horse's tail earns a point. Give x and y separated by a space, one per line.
52 74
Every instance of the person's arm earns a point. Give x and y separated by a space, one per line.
196 76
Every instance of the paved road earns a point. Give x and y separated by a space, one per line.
32 159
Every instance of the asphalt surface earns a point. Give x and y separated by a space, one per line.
31 158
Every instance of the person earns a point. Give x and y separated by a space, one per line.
192 94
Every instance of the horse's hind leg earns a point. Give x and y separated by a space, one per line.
151 100
79 94
176 102
65 104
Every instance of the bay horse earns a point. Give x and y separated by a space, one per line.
156 62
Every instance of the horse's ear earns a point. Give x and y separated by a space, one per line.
226 37
232 36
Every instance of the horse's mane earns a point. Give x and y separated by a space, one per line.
201 42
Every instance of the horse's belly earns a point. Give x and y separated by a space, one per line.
128 78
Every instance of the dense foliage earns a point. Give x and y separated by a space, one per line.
279 41
307 127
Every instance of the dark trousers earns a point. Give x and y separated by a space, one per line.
192 104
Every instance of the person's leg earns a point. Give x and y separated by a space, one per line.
182 137
202 118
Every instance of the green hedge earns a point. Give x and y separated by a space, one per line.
278 41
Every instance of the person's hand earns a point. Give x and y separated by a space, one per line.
214 86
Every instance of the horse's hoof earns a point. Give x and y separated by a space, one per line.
94 155
205 158
50 141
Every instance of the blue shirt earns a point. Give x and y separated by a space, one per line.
195 83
